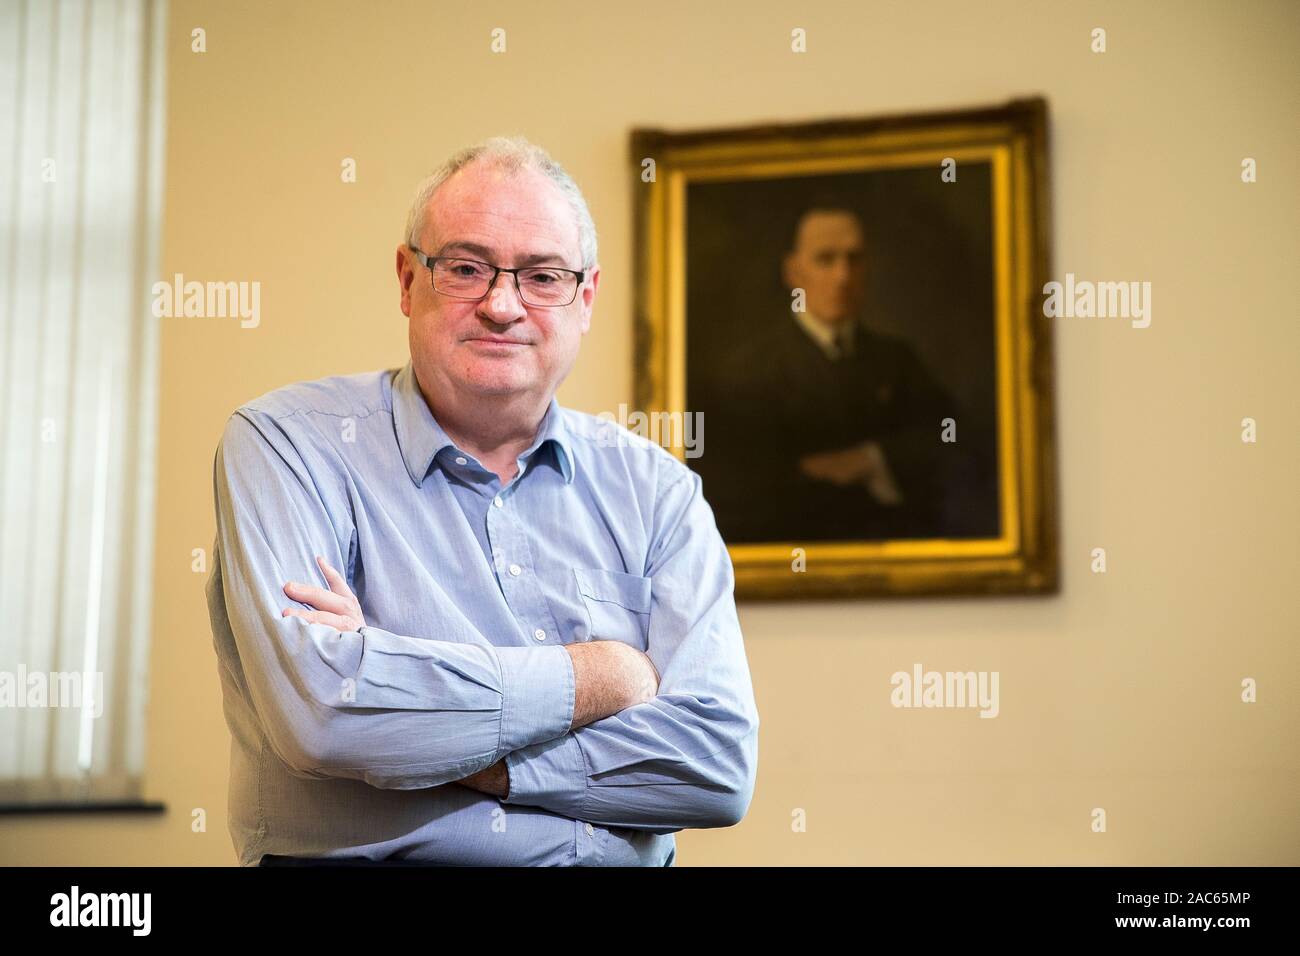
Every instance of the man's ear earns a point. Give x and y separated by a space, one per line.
405 276
589 298
787 270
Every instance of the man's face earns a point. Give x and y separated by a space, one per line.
828 263
503 218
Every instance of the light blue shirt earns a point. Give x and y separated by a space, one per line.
348 743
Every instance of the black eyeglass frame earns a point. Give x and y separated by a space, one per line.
428 261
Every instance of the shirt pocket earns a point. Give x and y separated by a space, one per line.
617 605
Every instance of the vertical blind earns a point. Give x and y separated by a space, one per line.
81 116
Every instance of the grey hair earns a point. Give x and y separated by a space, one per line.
513 154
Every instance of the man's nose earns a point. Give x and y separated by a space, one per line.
502 299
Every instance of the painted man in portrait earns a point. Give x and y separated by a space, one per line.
823 428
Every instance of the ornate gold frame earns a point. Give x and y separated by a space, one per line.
1013 138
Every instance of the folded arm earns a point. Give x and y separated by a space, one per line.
688 757
394 711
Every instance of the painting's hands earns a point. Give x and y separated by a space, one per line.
338 607
850 466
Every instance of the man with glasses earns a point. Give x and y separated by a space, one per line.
456 624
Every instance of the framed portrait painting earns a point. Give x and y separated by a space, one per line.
848 314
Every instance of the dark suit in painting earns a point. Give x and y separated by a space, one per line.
779 398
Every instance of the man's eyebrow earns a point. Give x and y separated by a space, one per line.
536 258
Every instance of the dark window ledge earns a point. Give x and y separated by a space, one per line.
120 806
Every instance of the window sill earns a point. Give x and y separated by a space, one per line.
108 806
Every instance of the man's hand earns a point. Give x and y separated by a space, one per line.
850 466
338 607
494 780
860 465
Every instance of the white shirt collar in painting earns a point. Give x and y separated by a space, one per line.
825 335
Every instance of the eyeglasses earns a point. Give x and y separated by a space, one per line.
539 286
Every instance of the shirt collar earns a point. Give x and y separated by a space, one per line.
420 437
832 340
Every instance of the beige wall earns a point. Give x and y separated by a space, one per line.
1121 692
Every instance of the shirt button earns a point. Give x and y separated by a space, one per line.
461 461
590 829
497 501
516 570
539 634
